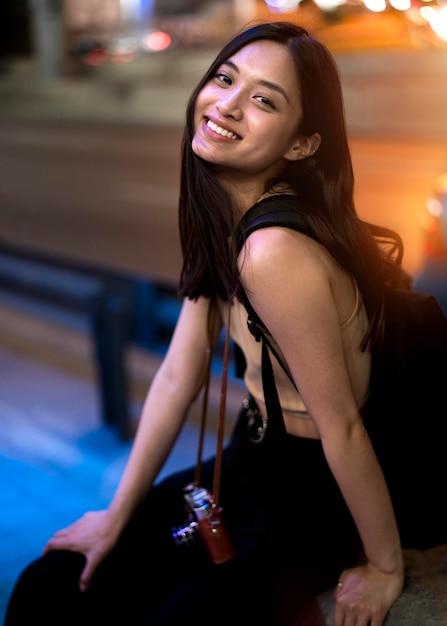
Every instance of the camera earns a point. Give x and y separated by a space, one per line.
205 520
198 501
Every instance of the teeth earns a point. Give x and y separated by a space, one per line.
221 131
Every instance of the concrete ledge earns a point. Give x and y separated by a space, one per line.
424 599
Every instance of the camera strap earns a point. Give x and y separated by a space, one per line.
222 409
222 406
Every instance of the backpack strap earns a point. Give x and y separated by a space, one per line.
277 210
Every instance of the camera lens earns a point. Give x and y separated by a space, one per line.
184 535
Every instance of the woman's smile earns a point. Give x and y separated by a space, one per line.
219 130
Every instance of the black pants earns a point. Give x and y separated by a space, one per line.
292 532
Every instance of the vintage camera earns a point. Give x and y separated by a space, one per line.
198 501
204 520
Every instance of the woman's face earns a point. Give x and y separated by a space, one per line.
247 116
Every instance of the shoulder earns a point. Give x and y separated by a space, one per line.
277 248
287 269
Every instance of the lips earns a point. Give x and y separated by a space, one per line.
222 131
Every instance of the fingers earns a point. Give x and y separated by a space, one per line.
86 576
57 542
348 618
355 605
52 544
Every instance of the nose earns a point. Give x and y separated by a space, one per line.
230 104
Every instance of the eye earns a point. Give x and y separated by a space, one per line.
220 77
265 101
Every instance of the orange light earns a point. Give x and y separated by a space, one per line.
429 223
434 244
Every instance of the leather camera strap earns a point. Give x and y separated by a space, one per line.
222 409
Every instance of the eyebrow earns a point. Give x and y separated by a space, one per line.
264 83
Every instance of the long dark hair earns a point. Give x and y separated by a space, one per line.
323 182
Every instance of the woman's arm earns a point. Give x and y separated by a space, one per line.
173 389
290 283
171 393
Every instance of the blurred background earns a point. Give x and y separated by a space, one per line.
92 99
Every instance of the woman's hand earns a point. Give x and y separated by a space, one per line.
172 390
93 535
364 596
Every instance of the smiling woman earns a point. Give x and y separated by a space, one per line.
303 495
254 89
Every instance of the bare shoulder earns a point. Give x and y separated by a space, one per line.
269 251
282 267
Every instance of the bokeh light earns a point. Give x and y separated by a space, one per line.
157 41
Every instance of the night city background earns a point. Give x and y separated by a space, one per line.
92 100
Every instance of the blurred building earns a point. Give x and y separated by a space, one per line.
147 54
68 35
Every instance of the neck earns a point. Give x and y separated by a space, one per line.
245 199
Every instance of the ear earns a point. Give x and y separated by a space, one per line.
303 147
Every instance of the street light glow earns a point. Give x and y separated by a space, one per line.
282 5
401 5
437 19
377 6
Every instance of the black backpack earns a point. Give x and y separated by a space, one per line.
406 413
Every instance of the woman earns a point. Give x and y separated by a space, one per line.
307 505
